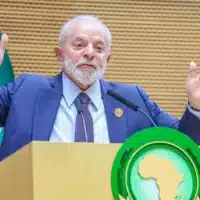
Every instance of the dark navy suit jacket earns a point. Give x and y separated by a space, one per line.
29 105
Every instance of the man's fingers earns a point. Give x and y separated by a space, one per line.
192 70
4 41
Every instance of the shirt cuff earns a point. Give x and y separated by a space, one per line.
194 112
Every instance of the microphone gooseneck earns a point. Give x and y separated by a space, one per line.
122 100
79 108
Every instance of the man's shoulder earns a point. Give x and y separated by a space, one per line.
35 78
123 87
29 82
130 91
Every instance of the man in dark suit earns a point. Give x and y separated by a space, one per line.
74 105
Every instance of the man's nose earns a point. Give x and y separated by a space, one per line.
89 52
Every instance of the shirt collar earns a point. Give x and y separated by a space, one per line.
71 91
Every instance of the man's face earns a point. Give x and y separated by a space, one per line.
85 53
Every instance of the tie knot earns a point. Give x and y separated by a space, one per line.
84 98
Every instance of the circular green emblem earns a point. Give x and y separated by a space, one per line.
157 164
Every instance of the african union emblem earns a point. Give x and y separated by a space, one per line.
157 164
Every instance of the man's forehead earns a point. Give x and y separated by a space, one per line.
88 30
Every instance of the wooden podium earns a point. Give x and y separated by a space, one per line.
58 171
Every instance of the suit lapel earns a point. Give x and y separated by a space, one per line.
117 125
48 101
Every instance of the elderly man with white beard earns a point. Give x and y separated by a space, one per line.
74 106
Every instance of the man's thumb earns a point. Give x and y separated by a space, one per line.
4 41
192 70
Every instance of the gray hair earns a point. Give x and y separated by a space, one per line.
66 28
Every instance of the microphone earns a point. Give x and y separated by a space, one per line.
79 108
129 104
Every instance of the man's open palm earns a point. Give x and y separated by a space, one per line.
193 86
3 43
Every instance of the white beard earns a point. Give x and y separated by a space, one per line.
84 76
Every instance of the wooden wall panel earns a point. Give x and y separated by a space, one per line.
153 41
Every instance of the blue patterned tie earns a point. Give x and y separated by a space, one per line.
84 121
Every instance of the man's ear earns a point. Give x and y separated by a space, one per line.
108 58
58 53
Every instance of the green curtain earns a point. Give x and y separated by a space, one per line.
6 76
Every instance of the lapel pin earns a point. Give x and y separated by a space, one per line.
118 112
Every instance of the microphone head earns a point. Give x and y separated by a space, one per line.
111 92
79 106
123 100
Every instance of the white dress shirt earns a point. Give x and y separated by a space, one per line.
194 112
64 126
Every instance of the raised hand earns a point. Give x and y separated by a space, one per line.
3 43
193 87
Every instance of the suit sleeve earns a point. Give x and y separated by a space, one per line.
189 124
6 93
